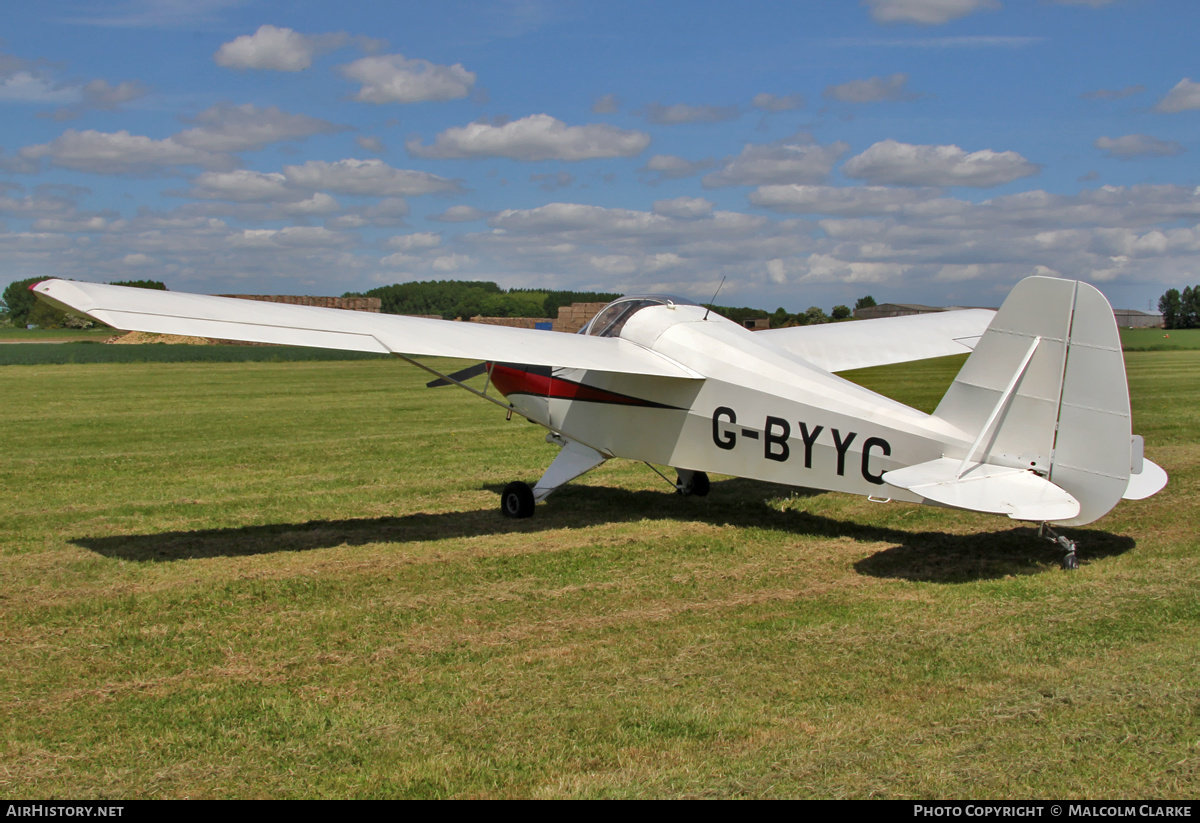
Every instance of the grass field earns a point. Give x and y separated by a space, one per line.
292 580
12 335
81 352
1160 340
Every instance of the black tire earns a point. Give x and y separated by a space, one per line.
516 500
699 486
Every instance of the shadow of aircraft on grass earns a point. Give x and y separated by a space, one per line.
929 556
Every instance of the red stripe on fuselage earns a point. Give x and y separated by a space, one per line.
515 380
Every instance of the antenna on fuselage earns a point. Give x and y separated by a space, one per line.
708 308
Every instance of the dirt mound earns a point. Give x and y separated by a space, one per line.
138 337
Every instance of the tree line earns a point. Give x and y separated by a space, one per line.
464 299
21 308
450 299
782 318
1180 310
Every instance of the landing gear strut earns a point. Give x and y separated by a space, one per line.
1070 561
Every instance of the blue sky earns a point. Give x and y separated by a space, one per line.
811 152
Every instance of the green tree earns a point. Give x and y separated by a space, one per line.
816 314
20 300
141 284
864 302
1170 305
1189 313
841 312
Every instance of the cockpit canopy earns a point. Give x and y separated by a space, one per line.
609 321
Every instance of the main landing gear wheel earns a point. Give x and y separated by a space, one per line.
516 500
697 485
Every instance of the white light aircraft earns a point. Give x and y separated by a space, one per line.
1036 426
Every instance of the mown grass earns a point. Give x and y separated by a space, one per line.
15 335
86 351
1159 339
291 580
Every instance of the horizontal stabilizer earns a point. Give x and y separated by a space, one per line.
883 341
1150 480
1019 493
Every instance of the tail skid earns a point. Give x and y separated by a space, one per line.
1044 401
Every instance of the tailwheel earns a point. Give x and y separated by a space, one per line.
692 483
1070 561
516 500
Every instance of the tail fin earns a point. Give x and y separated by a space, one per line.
1045 390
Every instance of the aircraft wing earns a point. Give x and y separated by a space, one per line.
229 318
861 343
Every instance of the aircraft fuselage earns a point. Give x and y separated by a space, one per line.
760 412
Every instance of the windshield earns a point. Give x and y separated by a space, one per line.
609 321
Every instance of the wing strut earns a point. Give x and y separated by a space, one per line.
450 378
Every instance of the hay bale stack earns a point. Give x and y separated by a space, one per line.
574 317
512 322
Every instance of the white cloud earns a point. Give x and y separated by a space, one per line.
271 47
319 204
121 153
459 214
670 167
771 102
242 186
553 182
577 223
1137 145
796 160
451 262
371 144
35 87
415 242
1113 94
389 212
1184 97
962 41
290 237
826 268
536 137
192 14
100 94
608 104
684 208
682 113
394 78
925 12
366 177
39 204
247 127
872 90
902 164
856 201
78 223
